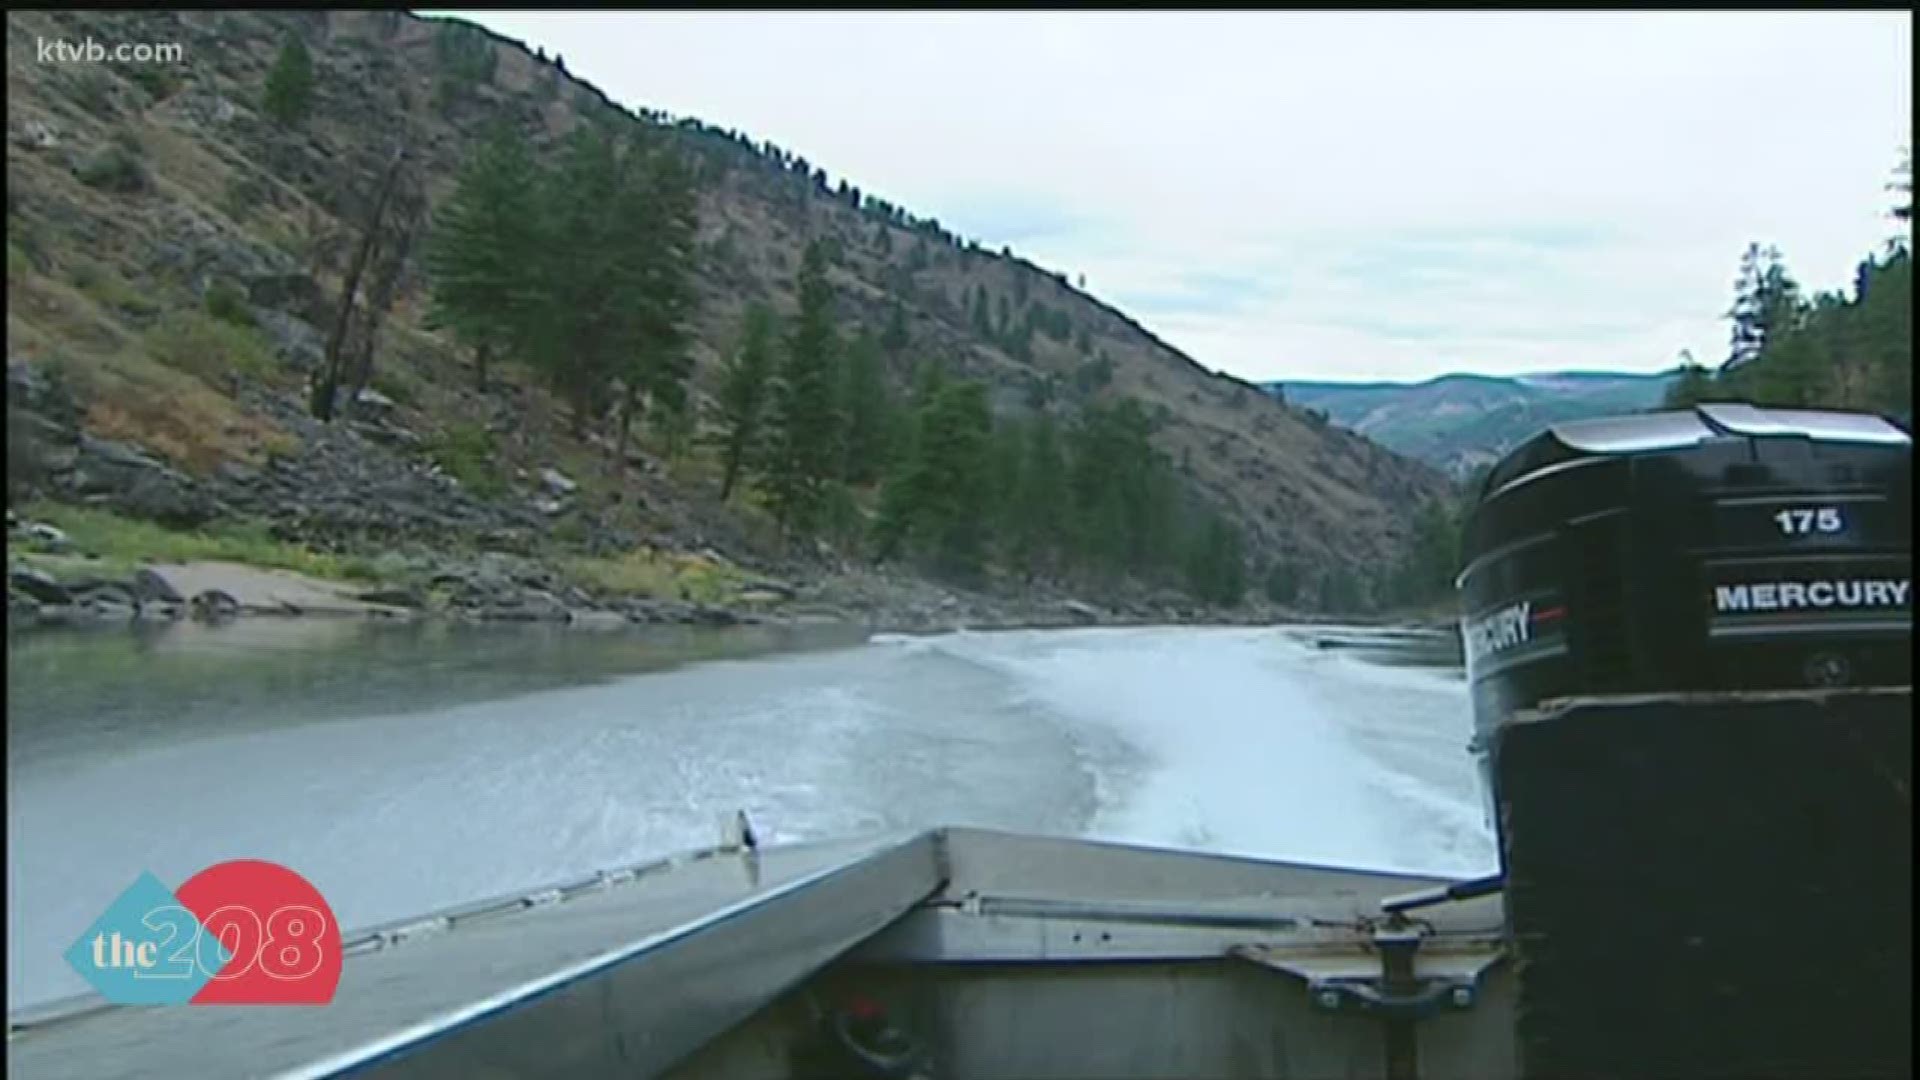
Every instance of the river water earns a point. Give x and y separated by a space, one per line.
403 768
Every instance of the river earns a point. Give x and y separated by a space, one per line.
402 768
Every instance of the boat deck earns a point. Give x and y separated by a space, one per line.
399 989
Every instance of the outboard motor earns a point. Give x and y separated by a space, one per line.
1688 639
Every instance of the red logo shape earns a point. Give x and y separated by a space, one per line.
282 939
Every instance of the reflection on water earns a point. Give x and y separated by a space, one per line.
75 689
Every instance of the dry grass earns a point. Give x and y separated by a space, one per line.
62 314
107 289
185 168
75 328
19 266
132 398
201 345
124 543
660 575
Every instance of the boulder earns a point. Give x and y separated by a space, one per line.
400 597
299 293
233 472
374 401
597 620
708 615
150 586
37 585
553 480
161 611
139 486
1082 610
58 615
297 342
213 605
545 606
46 536
107 600
36 135
21 608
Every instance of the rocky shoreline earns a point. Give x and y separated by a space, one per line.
500 587
36 598
359 488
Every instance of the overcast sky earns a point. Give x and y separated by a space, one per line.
1333 196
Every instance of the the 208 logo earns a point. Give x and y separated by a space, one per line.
246 932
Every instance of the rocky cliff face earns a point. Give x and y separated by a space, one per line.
135 190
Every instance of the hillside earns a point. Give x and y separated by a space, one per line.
1460 422
140 197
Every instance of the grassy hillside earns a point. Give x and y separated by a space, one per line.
175 254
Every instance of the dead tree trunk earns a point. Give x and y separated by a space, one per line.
328 382
386 283
629 405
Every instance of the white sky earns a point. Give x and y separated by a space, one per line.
1385 195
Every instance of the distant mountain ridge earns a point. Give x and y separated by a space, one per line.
1460 422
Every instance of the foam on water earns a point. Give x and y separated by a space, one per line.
1256 745
1240 741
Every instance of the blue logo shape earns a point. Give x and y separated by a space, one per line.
146 949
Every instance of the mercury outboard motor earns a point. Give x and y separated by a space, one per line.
1688 637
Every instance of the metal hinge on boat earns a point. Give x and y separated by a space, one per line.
1389 988
1388 976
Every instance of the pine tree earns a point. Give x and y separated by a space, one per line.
1216 571
1765 301
744 386
1121 495
1886 333
289 91
1902 185
1339 592
982 321
1005 457
675 419
937 503
1282 584
659 219
896 337
864 407
803 451
1432 557
566 325
481 253
900 494
1040 502
1693 385
1019 344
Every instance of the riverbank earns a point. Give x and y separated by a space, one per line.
104 569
